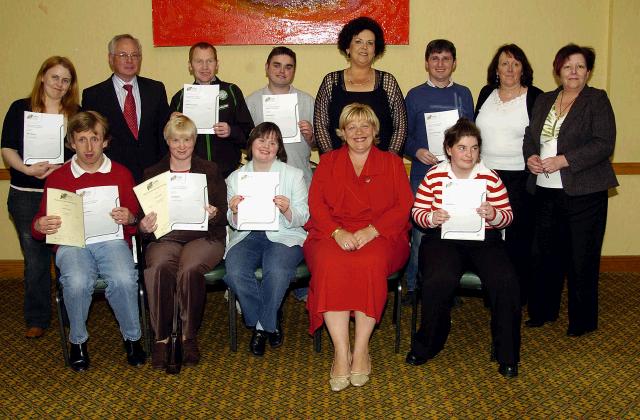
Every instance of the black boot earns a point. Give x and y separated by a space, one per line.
79 357
258 342
135 354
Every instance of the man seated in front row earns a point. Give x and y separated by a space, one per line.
111 260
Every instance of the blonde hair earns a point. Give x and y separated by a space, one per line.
358 112
180 124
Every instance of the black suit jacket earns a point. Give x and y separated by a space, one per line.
587 138
150 147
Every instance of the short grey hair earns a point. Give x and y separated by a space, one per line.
118 38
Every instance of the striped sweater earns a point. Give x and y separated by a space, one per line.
429 195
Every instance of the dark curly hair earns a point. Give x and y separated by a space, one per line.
526 79
357 25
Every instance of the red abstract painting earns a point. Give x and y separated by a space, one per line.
269 22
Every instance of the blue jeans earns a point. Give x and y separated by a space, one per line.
416 238
23 206
80 268
260 301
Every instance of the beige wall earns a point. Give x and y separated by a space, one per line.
80 29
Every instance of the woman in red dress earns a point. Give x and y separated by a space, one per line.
359 203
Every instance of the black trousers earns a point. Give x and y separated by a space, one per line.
567 241
442 263
519 234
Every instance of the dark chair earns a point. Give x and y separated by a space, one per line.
215 278
101 287
396 280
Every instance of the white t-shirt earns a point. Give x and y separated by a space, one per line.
502 126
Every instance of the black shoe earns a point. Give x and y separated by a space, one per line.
407 299
415 360
508 371
135 354
533 323
276 338
258 342
79 357
578 332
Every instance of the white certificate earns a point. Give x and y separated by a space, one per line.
258 211
200 103
68 206
461 198
97 203
282 110
153 195
188 199
43 138
436 124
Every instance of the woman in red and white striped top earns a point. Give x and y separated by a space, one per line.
496 210
443 261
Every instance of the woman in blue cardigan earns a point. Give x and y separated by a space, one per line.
277 252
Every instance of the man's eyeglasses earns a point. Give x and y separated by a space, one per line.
124 56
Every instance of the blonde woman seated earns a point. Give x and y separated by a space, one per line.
177 262
358 234
277 252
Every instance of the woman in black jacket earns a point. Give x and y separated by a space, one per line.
568 147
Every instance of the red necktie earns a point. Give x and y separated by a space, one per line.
130 111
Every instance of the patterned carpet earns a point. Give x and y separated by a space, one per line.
597 376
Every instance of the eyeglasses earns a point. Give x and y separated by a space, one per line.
132 56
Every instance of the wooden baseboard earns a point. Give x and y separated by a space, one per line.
608 263
620 264
11 269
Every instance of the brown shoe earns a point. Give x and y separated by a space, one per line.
190 352
34 332
159 355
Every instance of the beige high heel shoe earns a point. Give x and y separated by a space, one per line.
360 378
338 382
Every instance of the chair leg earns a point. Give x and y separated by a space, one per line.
317 340
233 332
414 314
145 323
63 331
397 313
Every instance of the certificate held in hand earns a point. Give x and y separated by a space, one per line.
282 110
86 215
436 124
258 211
178 199
461 198
200 103
43 138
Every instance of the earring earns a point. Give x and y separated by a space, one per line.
497 80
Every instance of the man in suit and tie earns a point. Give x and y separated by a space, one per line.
136 108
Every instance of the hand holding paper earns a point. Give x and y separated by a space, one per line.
257 209
462 199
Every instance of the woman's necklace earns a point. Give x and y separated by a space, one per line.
366 82
507 95
566 108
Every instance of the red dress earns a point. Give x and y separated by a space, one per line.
355 280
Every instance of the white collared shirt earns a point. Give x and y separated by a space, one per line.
121 93
430 83
77 171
